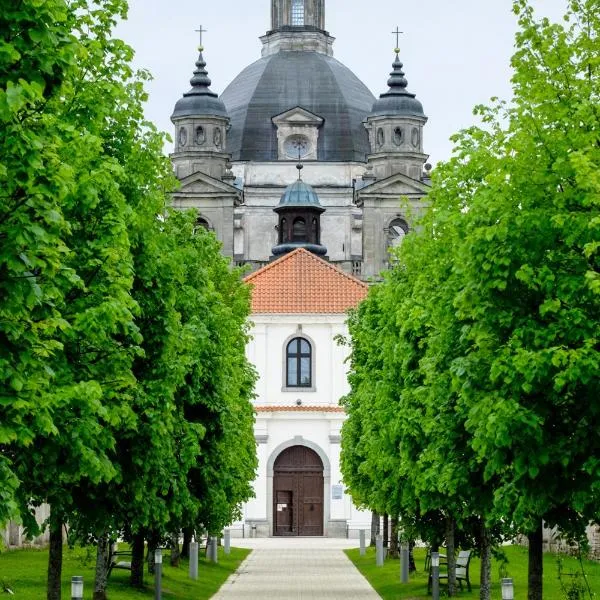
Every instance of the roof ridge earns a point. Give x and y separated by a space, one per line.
316 258
271 265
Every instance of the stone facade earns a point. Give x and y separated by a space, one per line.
361 197
364 159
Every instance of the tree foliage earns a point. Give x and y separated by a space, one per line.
481 345
124 388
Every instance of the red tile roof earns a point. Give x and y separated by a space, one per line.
300 283
337 409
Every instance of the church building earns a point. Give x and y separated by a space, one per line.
308 180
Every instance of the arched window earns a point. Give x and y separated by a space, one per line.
297 13
298 362
397 230
299 230
202 222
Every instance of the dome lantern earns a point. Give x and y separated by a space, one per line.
299 213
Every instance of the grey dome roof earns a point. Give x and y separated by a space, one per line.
200 101
397 100
287 79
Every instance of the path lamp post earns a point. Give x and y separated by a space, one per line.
379 550
193 567
435 575
158 574
361 534
508 592
404 552
227 541
76 587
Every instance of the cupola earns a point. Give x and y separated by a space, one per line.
297 25
299 212
201 124
395 125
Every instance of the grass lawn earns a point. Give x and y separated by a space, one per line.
24 571
386 579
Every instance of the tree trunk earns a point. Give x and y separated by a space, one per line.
536 565
137 560
102 560
55 557
485 573
450 556
175 554
374 527
393 552
188 534
412 567
386 532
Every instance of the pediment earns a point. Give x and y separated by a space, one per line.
201 184
298 116
395 185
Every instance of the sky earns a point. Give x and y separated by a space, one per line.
456 54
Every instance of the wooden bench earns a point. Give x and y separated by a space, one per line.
115 562
462 571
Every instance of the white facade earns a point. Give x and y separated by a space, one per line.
313 419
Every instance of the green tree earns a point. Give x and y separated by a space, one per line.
493 326
37 56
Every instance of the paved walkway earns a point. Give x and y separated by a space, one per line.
294 569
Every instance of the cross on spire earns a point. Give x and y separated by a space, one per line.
200 31
397 34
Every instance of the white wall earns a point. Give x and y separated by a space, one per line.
267 352
320 429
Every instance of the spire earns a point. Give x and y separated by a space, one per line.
200 100
200 81
397 81
397 100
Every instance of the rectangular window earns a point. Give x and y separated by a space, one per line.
292 374
297 13
305 371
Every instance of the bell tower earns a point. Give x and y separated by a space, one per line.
298 13
297 25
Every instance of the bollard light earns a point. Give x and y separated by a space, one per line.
435 576
158 574
76 587
508 592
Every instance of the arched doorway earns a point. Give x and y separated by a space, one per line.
298 492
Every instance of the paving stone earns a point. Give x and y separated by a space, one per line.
298 569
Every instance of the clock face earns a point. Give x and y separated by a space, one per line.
296 146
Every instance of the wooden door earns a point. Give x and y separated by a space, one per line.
298 492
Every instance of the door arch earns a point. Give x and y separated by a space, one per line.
298 495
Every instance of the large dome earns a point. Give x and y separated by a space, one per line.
284 80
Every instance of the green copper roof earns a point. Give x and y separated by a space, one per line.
299 195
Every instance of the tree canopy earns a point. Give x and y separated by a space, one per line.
486 354
124 388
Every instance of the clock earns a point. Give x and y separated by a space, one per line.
296 146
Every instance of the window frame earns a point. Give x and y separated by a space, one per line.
298 356
297 13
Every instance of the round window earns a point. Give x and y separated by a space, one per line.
296 146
